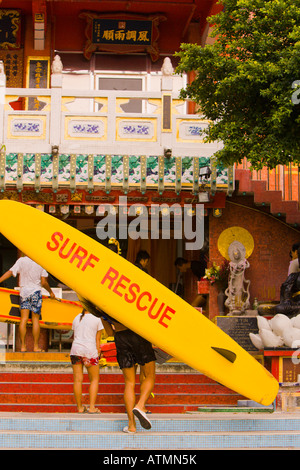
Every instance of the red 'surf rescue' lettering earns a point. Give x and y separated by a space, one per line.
132 293
71 251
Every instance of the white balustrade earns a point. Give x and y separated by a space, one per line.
55 117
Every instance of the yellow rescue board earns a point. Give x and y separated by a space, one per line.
56 314
135 299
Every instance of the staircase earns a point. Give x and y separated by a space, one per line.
180 433
279 191
190 412
52 392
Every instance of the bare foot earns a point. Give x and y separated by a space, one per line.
94 410
83 409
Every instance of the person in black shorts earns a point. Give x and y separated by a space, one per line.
132 349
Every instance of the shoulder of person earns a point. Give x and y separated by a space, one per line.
19 262
26 261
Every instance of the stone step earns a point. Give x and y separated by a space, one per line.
113 398
264 196
115 377
191 431
44 391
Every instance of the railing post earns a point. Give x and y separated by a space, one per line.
166 118
56 108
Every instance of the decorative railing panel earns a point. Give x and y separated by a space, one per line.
108 171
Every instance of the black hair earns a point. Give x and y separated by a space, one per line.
82 314
180 261
142 254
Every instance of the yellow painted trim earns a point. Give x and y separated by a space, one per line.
119 102
156 102
175 105
280 369
104 102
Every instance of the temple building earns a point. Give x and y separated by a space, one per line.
93 131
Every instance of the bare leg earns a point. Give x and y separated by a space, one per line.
36 331
77 385
147 385
93 372
129 396
23 327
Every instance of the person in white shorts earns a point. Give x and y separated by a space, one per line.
32 278
85 351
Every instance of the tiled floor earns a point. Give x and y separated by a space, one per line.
185 431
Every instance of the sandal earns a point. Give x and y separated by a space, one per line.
84 410
127 430
142 417
94 412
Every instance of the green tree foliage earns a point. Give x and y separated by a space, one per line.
244 81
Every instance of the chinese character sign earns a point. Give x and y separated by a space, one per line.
107 31
124 33
37 77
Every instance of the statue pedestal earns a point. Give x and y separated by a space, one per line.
238 328
284 363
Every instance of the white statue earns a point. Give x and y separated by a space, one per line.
57 65
237 291
167 67
280 331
